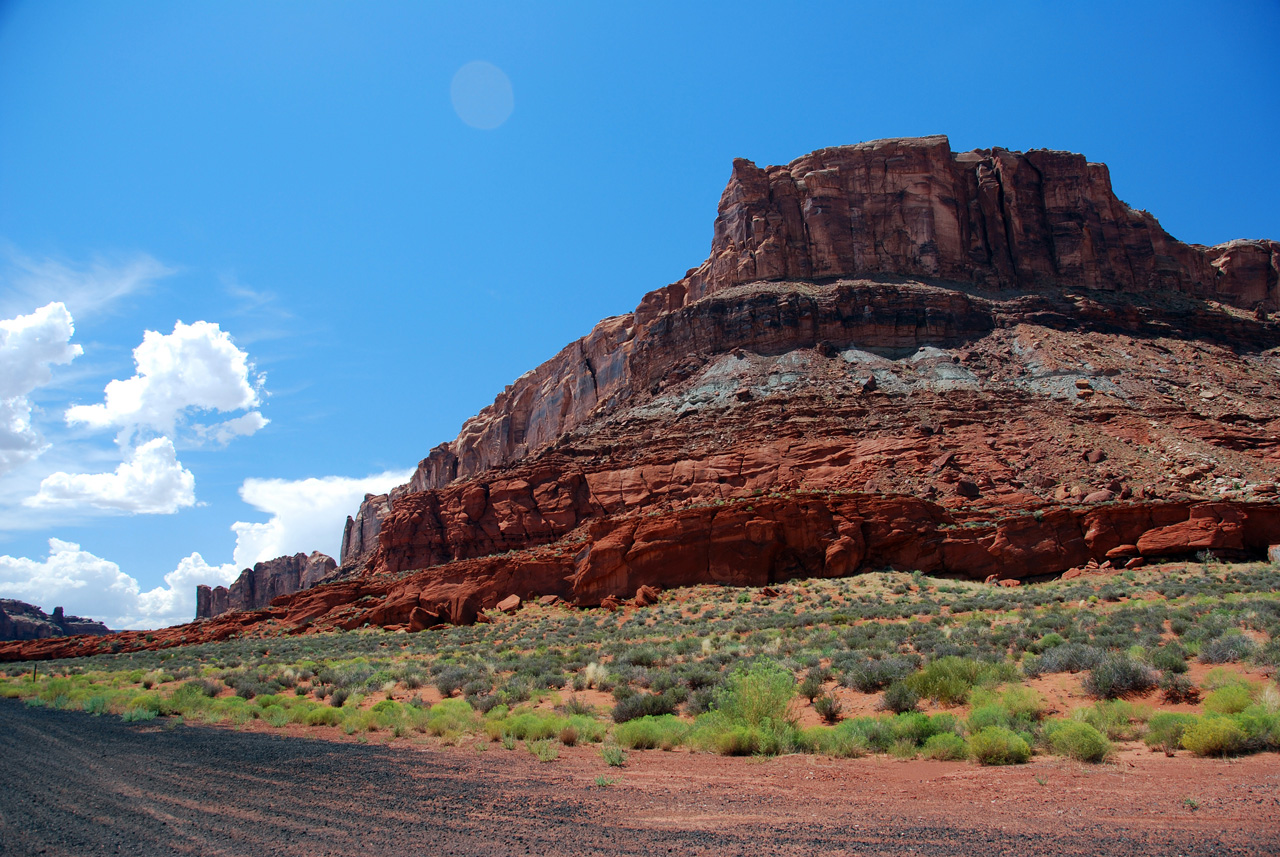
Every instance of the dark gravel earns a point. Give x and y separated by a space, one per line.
77 785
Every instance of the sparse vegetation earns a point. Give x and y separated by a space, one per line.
706 670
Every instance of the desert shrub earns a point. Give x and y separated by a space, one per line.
997 746
1078 741
945 747
828 708
641 656
873 675
634 705
544 750
95 705
985 716
810 687
875 733
1221 677
1175 689
1171 659
647 733
1228 648
574 705
1165 729
533 725
840 742
900 697
275 715
759 695
447 718
1213 735
1231 699
1016 707
1117 719
614 757
914 727
1069 658
949 680
324 716
1119 675
136 715
1261 728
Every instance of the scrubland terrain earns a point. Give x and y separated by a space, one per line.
1177 657
885 713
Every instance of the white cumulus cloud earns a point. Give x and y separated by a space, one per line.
151 481
29 346
87 585
306 514
195 368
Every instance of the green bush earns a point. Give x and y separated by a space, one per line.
647 733
840 742
1078 741
828 708
324 716
614 757
945 747
762 694
1165 730
950 679
447 718
900 697
997 746
275 715
1231 699
135 715
991 714
1117 719
544 750
1214 735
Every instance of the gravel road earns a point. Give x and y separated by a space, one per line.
78 785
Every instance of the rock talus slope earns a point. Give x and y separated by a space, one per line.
896 356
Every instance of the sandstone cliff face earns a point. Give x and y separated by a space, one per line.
991 217
911 207
360 535
258 586
22 621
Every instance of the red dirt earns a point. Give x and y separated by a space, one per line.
73 784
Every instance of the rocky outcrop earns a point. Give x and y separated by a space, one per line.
258 586
991 217
756 543
1032 222
22 621
360 535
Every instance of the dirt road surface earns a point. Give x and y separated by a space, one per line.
71 784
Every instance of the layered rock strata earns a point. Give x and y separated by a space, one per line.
22 621
990 218
258 586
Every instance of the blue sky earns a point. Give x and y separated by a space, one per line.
286 197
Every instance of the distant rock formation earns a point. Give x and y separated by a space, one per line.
22 621
256 587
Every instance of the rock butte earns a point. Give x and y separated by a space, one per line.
979 364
